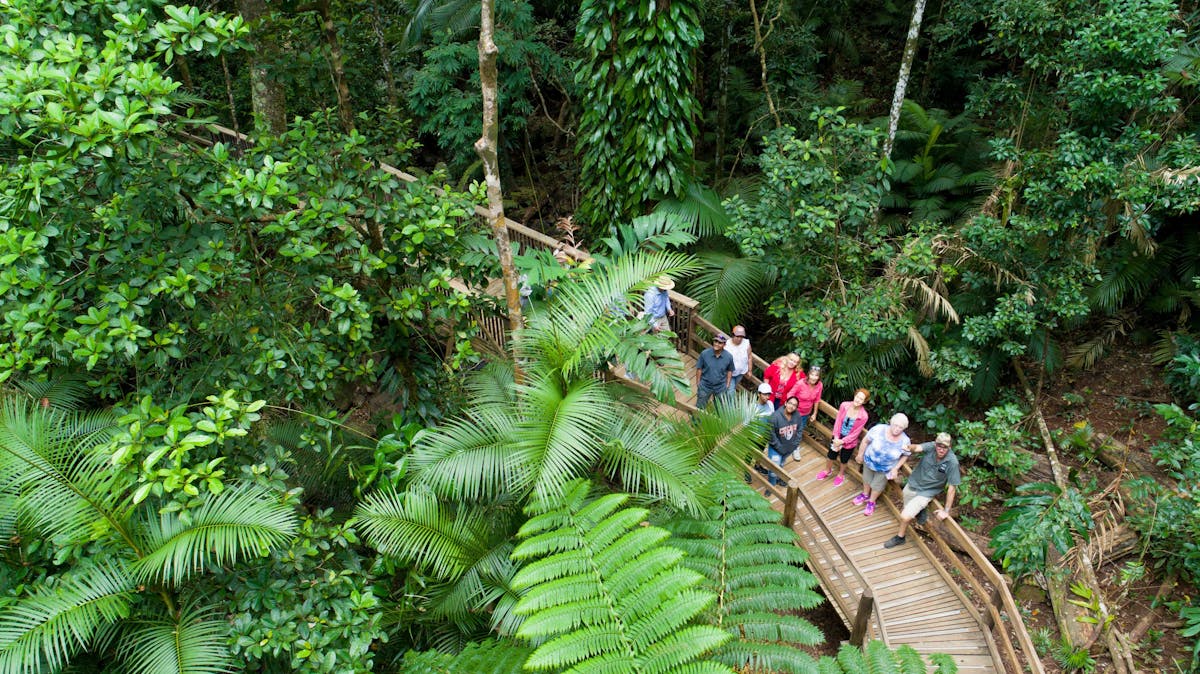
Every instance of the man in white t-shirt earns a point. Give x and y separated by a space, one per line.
739 348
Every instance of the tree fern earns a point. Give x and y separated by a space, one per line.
488 657
604 594
876 658
752 564
42 631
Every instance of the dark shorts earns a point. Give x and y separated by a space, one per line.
842 454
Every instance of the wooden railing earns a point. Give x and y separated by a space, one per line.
689 326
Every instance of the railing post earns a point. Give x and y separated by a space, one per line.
789 504
866 604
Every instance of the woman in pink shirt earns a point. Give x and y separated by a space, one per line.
847 428
808 391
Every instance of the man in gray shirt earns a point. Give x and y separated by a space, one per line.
714 368
937 470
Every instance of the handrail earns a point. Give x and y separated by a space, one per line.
762 461
684 324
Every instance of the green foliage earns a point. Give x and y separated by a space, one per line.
997 440
445 94
600 591
1040 515
1183 372
877 658
637 105
1191 629
136 256
1171 526
1073 658
488 657
122 562
754 567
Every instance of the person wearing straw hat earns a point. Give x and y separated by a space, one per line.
938 469
656 308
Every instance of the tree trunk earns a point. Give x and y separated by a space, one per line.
906 61
337 69
760 39
266 95
488 148
385 58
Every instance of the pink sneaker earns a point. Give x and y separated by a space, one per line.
837 481
860 499
869 509
822 475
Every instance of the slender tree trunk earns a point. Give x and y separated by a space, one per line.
229 94
906 61
266 95
722 95
488 149
385 57
337 69
760 39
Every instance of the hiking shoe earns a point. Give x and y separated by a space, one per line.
860 499
837 481
894 541
869 509
923 516
796 455
822 475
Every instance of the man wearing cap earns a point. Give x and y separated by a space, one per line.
763 407
656 308
739 348
937 470
714 368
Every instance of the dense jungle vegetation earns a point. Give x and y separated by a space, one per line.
249 422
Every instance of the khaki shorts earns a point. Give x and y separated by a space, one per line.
661 324
913 503
874 479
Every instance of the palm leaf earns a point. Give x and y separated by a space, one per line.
51 464
700 208
658 231
639 459
728 286
722 438
414 527
43 631
243 521
563 433
470 458
753 565
67 392
195 643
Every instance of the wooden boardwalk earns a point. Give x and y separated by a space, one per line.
918 601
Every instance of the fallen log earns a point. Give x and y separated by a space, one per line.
1117 456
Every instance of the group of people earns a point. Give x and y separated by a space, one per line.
789 398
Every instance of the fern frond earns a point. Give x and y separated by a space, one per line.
43 631
752 564
602 593
243 521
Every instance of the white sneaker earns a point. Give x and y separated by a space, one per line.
796 455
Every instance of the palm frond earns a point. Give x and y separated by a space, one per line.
50 461
66 391
195 643
1085 356
414 527
1125 279
641 461
603 591
493 384
243 521
722 438
470 458
700 208
41 632
651 359
920 348
728 286
562 434
658 231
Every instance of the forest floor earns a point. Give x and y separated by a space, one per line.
1115 398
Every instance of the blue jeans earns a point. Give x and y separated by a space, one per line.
703 395
733 383
778 459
